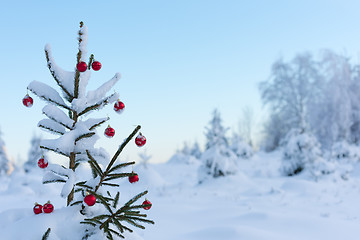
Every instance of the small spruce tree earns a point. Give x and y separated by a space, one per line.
302 153
217 159
67 117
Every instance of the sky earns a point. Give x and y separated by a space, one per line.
179 60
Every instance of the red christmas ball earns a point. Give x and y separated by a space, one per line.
90 200
119 106
42 163
134 178
48 207
96 65
37 208
146 202
140 140
27 101
109 132
81 66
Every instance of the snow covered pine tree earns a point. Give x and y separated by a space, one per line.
76 140
218 159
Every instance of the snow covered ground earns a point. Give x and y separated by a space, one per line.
255 204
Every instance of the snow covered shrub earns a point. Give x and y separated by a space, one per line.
302 152
345 156
344 151
217 159
240 147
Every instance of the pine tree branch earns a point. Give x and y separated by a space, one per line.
54 181
120 166
55 120
76 203
140 219
91 59
69 96
93 163
72 160
117 175
98 124
86 135
46 234
116 199
125 208
133 223
90 223
103 201
78 59
103 102
55 150
49 99
110 184
116 155
116 233
122 146
134 213
50 129
134 199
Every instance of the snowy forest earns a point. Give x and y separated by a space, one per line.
304 169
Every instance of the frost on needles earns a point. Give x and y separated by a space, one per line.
75 140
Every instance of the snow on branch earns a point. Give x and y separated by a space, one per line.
93 123
66 143
47 93
58 116
63 78
55 150
96 95
101 155
110 99
61 171
83 39
52 126
51 177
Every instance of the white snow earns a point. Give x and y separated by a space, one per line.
96 96
65 78
256 203
46 92
55 113
84 39
51 124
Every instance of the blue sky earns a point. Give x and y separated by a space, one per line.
179 59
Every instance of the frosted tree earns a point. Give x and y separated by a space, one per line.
240 147
68 118
6 166
337 109
302 153
217 159
290 90
35 153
